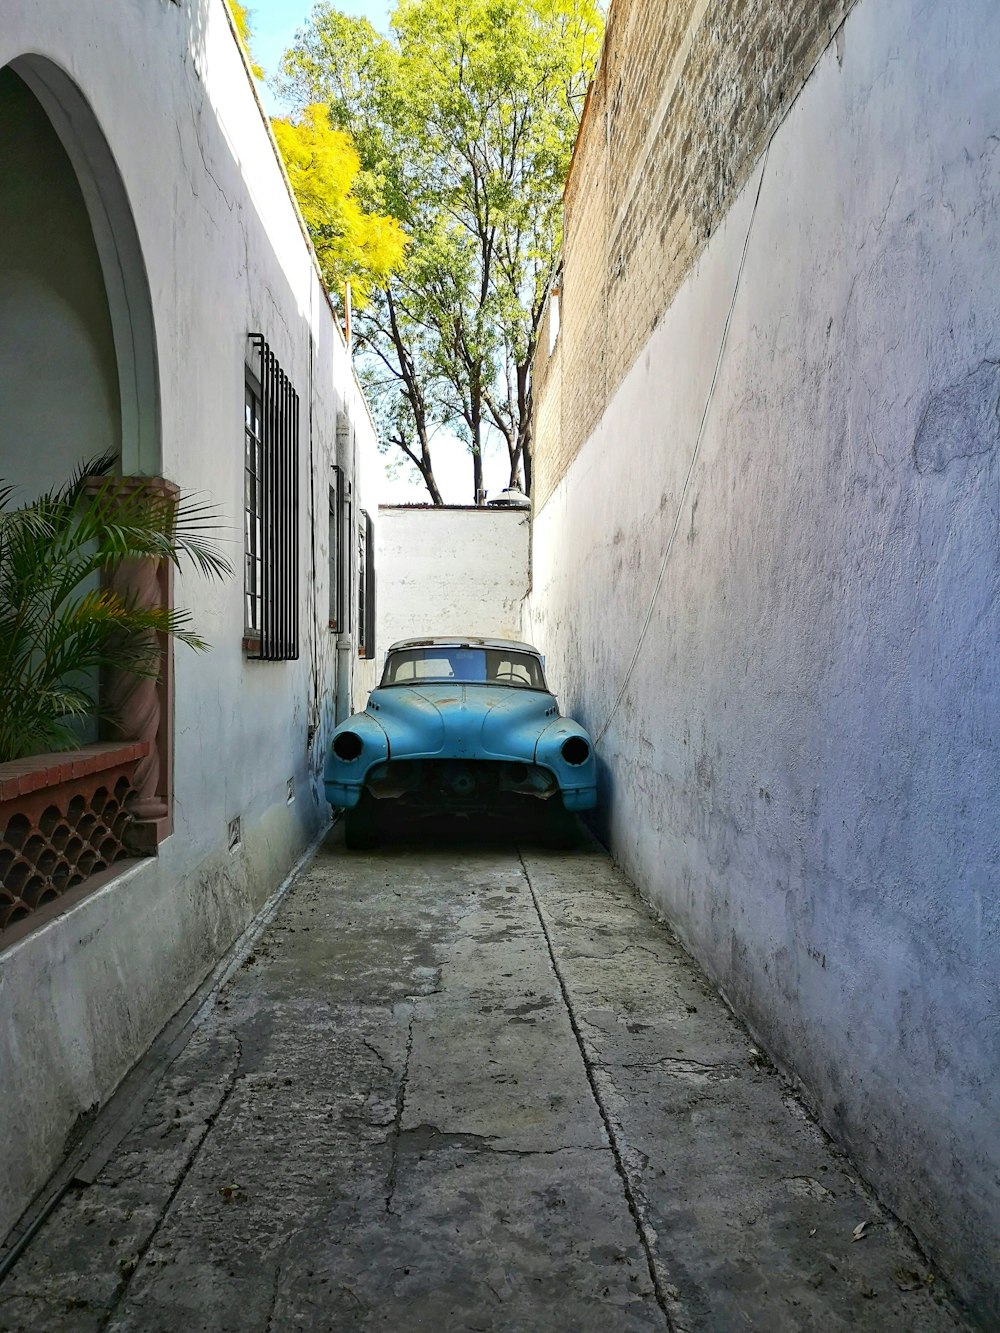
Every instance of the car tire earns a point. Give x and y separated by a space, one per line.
361 825
560 831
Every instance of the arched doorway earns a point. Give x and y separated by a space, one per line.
59 392
76 168
78 361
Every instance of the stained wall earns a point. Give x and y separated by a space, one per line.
448 570
768 580
200 246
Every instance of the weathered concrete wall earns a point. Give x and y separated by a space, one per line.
368 474
156 108
451 571
803 770
683 100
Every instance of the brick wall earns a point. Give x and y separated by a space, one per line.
682 105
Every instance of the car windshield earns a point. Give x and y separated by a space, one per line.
484 666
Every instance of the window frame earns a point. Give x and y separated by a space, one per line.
271 512
253 571
340 558
366 586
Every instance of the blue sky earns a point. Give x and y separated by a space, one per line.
275 22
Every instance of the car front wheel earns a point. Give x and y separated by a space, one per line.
361 825
560 831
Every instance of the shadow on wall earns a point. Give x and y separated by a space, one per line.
59 399
113 234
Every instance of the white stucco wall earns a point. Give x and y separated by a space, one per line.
803 773
367 480
224 255
451 571
58 376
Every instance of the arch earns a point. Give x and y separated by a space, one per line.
122 264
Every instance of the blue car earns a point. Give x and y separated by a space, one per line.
460 725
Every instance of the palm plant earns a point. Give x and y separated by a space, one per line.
62 620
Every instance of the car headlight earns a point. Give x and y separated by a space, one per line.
575 750
347 745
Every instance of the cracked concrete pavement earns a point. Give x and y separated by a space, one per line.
467 1086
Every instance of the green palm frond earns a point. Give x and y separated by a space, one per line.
61 620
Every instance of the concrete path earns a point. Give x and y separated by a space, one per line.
459 1087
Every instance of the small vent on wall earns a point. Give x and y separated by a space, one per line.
235 833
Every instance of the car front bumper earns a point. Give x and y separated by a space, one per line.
454 784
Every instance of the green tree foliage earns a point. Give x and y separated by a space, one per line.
464 120
61 621
241 18
351 244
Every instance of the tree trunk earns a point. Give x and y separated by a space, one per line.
520 459
430 481
476 430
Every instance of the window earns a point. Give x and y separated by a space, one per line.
473 666
271 509
252 506
340 560
366 587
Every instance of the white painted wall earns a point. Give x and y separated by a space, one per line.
803 772
369 475
168 102
59 401
451 571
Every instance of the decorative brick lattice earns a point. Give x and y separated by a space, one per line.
63 819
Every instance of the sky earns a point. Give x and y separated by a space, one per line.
274 24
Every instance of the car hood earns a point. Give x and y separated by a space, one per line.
462 721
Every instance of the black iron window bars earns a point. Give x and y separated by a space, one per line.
271 510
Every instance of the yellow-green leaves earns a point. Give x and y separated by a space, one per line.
464 119
352 245
242 20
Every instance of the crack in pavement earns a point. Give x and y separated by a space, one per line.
425 1137
378 1054
390 1182
646 1237
128 1274
274 1297
671 1064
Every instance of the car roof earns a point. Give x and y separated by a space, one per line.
458 641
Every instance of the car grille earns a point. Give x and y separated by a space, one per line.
458 781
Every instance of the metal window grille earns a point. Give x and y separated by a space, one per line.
252 507
271 510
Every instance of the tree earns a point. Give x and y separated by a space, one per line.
351 244
464 122
242 20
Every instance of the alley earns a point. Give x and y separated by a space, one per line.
468 1087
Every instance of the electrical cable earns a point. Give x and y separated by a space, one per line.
694 459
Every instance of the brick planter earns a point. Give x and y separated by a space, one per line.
64 818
